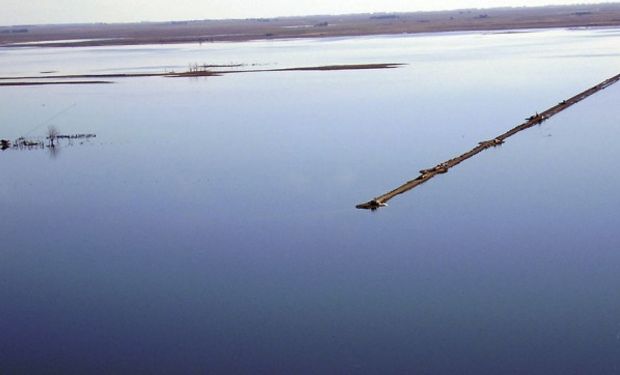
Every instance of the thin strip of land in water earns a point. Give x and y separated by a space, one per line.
326 68
76 76
202 72
318 26
538 118
301 69
40 83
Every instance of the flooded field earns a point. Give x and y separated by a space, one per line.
210 226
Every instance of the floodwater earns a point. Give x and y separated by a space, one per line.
210 227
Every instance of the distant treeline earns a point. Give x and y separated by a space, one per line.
13 31
385 17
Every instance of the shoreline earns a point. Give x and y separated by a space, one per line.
256 38
304 27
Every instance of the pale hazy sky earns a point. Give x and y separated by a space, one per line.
14 12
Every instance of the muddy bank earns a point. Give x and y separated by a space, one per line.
327 68
82 76
41 83
202 72
441 168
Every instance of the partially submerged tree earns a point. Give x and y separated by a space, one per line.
52 134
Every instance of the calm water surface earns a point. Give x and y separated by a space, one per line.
210 227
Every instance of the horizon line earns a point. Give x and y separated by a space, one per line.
396 12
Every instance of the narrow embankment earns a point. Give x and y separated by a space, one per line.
39 83
203 72
427 174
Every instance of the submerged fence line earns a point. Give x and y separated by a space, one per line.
538 118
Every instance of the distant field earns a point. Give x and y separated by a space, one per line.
310 26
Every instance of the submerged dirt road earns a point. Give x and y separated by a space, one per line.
427 174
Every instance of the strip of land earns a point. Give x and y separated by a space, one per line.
81 76
538 118
199 72
41 83
323 68
328 67
204 31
